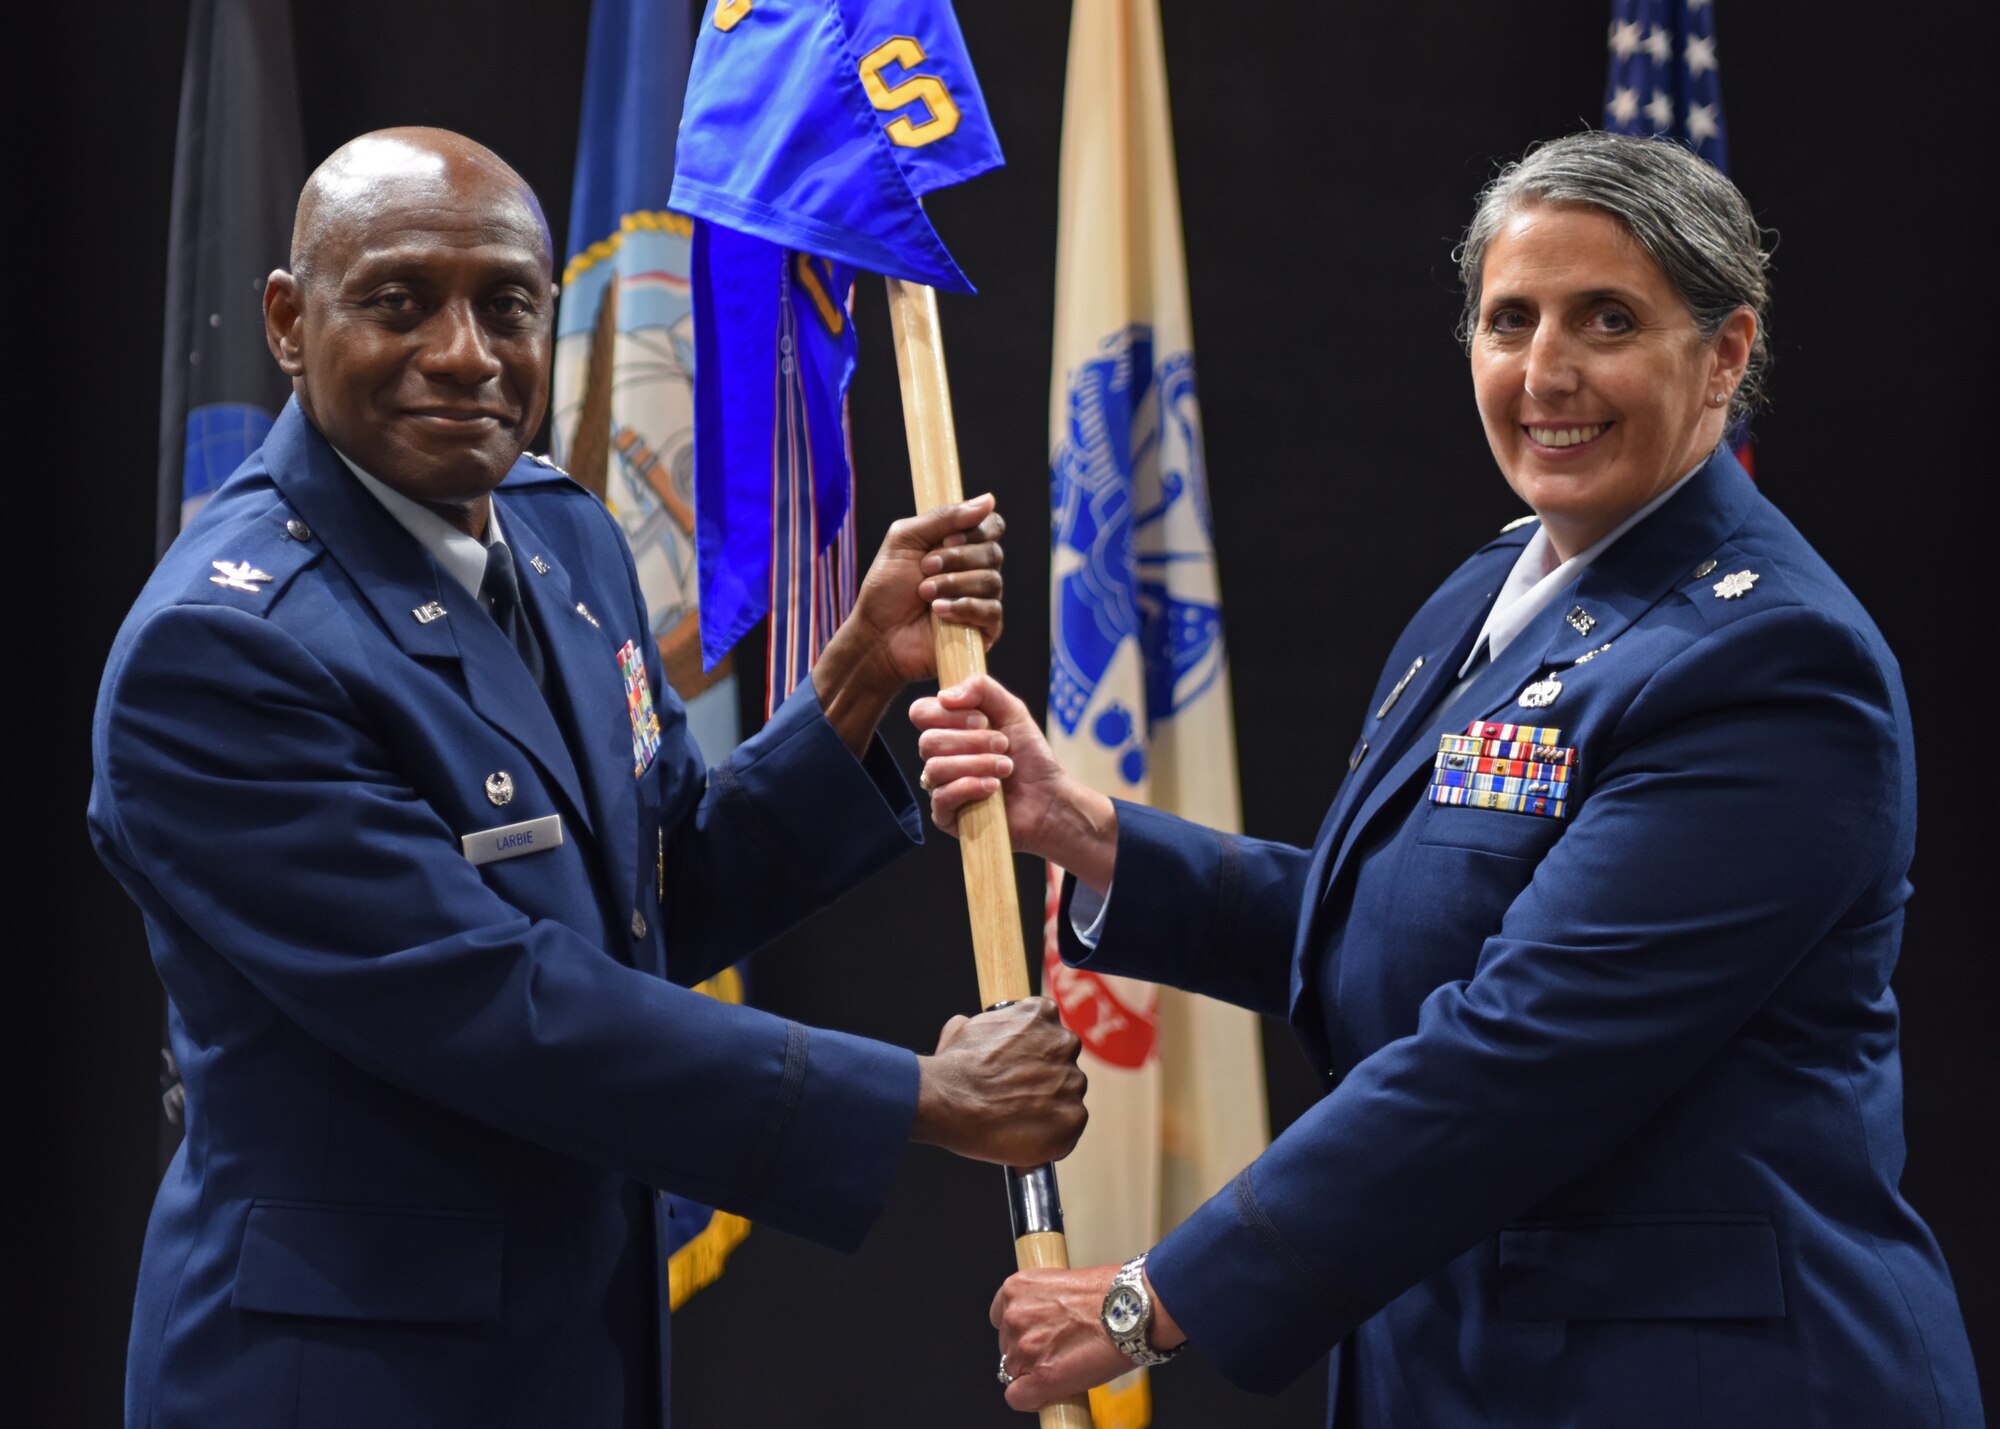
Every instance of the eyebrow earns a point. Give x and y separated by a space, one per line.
1589 295
374 267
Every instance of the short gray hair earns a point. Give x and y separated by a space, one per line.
1690 220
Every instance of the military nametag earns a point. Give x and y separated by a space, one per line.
1515 768
639 703
513 840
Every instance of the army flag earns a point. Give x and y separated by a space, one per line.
624 410
1138 679
238 166
811 130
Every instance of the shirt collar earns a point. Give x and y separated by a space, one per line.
1536 579
463 557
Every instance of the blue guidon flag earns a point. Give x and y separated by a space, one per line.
811 130
1663 81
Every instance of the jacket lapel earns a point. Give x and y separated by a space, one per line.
398 578
1443 644
1646 563
586 683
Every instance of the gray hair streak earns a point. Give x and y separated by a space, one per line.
1690 220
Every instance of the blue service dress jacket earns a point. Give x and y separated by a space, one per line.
1613 1128
429 1101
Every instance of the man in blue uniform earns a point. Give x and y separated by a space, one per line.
427 859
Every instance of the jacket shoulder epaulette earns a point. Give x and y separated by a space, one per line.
1730 583
245 562
534 469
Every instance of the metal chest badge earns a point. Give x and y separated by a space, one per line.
639 704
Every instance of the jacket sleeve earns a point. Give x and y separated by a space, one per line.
1209 912
242 794
782 827
1749 802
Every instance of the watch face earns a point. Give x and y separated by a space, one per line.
1123 1310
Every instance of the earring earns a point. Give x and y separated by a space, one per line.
1719 398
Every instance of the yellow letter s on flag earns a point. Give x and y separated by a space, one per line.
929 89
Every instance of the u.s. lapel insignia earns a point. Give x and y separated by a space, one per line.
541 566
1735 584
639 704
238 575
1581 620
584 611
499 788
427 612
1541 694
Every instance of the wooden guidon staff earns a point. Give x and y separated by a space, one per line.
990 896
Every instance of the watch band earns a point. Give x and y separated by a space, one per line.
1128 1331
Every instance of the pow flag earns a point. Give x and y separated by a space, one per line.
811 129
238 164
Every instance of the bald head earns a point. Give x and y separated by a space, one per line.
369 178
418 317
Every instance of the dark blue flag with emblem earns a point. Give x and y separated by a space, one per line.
624 415
238 166
1664 83
812 128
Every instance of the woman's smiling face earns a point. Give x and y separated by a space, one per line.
1596 389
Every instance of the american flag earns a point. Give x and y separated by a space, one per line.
1664 84
1663 80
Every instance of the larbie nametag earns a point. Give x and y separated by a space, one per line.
513 840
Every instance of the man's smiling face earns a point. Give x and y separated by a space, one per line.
418 325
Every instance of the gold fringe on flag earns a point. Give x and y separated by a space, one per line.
698 1264
1127 1406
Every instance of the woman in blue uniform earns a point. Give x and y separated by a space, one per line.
1594 944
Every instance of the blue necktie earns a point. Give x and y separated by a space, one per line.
502 587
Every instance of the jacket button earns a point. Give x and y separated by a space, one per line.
298 530
638 924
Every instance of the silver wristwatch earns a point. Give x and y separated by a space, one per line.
1128 1316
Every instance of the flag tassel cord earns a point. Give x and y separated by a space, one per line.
998 949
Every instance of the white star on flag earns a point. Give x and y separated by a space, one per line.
1624 106
1700 53
1625 38
1701 122
1659 45
1661 111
